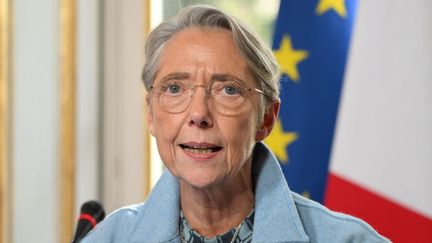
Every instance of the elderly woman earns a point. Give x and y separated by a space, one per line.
213 97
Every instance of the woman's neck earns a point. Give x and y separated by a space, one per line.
214 211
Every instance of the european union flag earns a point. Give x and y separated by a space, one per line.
311 42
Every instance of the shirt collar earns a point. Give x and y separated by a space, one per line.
243 231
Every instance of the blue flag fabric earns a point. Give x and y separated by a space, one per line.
311 41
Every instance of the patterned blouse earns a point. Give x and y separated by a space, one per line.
244 234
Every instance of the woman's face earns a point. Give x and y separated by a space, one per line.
201 146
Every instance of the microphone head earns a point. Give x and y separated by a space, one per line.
91 213
93 208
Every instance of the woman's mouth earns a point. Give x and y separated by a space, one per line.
200 149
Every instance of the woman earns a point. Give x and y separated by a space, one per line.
213 96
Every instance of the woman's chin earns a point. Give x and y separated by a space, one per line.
200 181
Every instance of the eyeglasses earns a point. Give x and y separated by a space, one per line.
227 96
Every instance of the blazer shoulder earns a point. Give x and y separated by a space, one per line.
323 225
116 227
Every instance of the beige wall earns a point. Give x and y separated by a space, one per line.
111 156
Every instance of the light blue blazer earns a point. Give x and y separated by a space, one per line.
280 214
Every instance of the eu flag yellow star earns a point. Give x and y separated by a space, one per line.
288 58
306 194
278 140
337 5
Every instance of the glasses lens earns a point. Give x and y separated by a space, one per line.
229 96
174 96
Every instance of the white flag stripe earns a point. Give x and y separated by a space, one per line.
384 133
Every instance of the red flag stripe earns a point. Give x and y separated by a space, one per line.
396 222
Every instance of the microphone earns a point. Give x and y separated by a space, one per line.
91 213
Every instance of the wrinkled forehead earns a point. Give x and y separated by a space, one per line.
203 53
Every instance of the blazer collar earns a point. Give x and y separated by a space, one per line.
276 217
159 218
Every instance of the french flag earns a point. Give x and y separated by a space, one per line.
355 128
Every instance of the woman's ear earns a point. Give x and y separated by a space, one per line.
270 115
149 119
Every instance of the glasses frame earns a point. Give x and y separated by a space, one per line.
192 90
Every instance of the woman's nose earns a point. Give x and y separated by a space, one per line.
199 111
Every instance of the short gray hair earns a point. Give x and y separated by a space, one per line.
258 55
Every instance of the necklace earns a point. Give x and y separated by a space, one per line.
237 231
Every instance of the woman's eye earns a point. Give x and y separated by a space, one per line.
172 88
231 90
